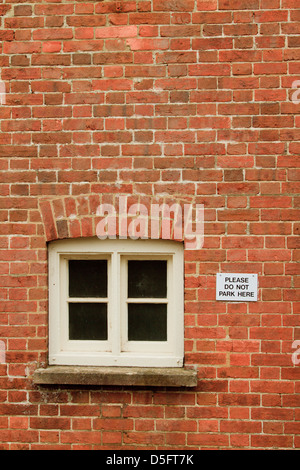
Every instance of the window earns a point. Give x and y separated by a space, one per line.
116 302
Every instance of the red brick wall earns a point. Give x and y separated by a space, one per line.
164 97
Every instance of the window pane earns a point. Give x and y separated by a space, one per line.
147 279
88 321
147 322
88 278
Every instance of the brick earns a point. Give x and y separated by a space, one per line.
49 221
116 32
146 18
147 44
177 5
271 441
238 4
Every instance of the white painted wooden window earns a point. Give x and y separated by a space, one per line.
116 302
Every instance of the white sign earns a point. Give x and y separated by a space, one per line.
237 287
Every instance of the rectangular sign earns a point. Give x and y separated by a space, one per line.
237 287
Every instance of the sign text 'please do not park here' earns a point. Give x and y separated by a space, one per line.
236 287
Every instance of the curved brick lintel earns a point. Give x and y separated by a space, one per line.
76 216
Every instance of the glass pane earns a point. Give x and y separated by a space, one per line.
88 278
88 321
147 279
147 322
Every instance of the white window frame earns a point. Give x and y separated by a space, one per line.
116 351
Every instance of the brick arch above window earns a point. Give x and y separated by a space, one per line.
69 217
77 216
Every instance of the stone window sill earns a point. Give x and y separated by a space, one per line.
120 376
